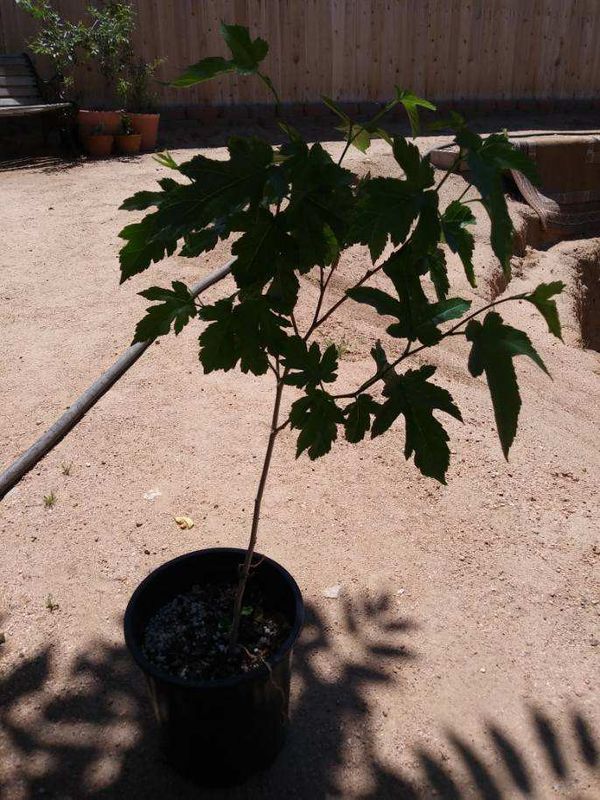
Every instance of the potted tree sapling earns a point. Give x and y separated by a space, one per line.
213 630
108 46
141 99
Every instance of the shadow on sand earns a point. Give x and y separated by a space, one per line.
90 734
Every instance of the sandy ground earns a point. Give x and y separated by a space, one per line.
461 659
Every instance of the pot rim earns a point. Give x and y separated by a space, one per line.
220 683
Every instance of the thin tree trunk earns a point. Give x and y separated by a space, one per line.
245 571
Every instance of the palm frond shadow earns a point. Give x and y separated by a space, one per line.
89 733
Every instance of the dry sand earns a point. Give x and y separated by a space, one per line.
462 656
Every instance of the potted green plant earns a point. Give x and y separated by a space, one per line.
99 143
140 98
213 630
127 140
104 39
64 43
109 46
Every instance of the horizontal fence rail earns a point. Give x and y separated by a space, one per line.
358 49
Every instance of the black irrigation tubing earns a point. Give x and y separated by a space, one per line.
75 413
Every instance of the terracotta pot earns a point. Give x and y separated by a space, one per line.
88 120
129 143
99 145
147 125
111 121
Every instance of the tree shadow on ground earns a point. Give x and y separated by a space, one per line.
90 735
41 162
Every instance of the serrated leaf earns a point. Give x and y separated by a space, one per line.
204 70
199 242
487 160
143 246
246 53
141 201
540 298
411 104
218 188
244 332
412 396
417 170
358 417
382 302
358 135
444 310
438 272
454 221
415 313
306 366
259 251
283 291
317 416
176 307
319 206
385 208
494 347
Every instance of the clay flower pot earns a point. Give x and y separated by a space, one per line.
147 126
88 120
128 143
99 145
111 121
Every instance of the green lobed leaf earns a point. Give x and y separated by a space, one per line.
217 188
540 298
204 70
263 246
382 302
176 307
358 417
494 347
385 208
414 397
306 366
487 160
435 261
317 416
411 104
199 242
144 245
454 221
417 170
319 205
244 332
246 53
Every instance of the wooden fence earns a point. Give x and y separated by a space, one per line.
358 49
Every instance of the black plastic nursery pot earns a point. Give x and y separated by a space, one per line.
218 732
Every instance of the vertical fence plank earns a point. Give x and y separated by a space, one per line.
358 49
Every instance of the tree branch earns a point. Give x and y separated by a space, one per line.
243 579
408 352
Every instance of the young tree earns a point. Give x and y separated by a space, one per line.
296 210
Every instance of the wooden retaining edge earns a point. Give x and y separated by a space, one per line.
75 413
